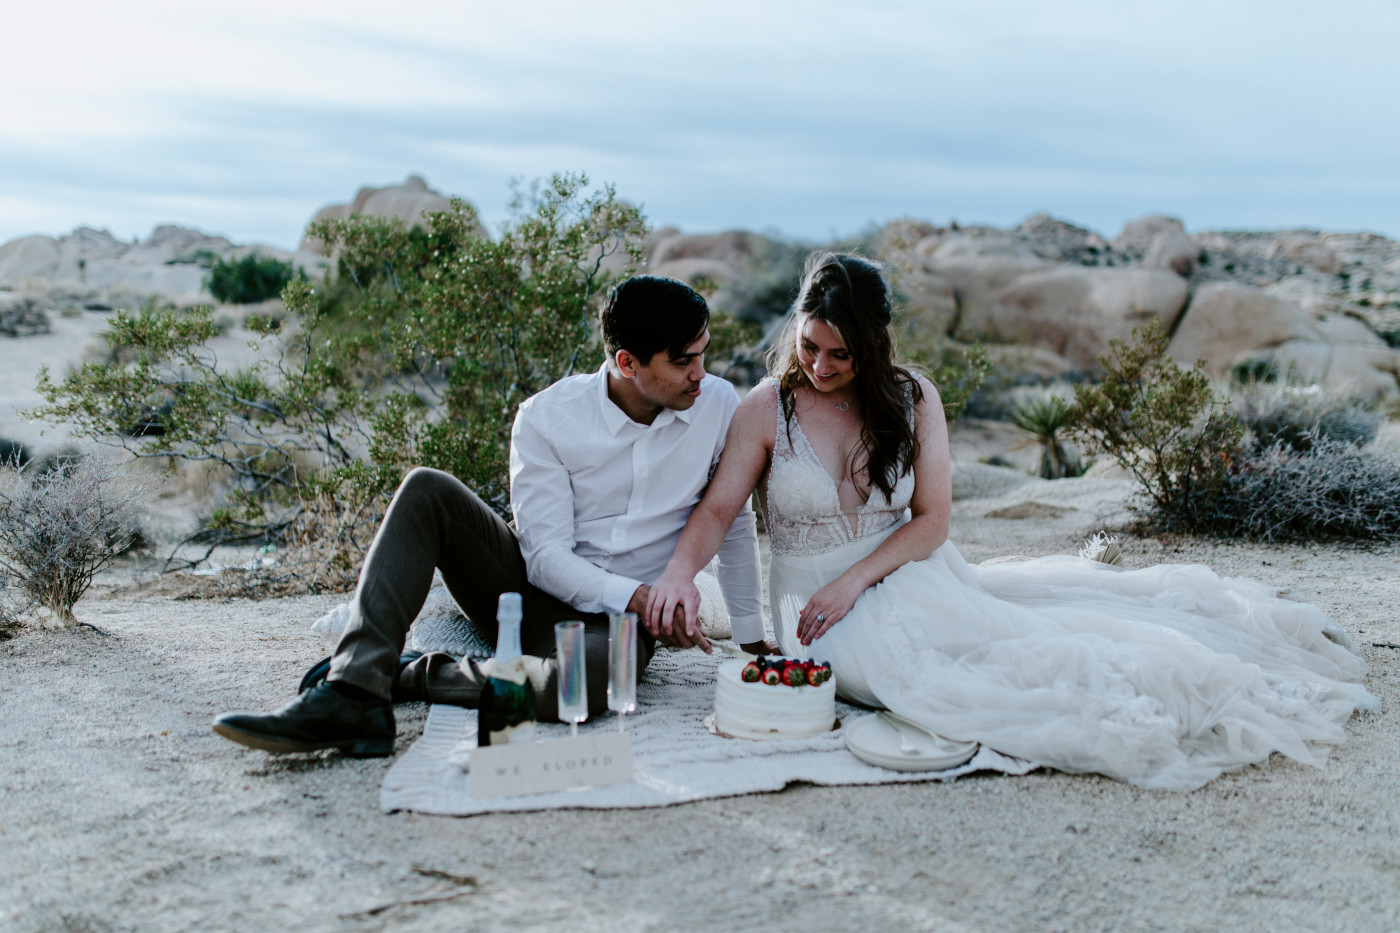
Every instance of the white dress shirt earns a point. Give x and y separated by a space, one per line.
600 499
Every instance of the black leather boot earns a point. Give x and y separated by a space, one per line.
316 675
319 718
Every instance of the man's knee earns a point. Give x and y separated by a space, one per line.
427 482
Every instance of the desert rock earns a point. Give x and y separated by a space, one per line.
1137 235
1311 251
1074 311
1174 251
407 202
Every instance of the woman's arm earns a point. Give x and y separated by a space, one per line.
741 465
924 533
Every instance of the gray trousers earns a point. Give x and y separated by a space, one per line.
434 521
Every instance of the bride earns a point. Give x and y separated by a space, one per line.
1163 677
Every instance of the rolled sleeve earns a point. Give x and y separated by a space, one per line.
740 576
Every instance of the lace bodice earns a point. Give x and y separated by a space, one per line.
802 507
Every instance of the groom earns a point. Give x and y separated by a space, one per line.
604 470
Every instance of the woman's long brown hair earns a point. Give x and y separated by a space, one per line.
849 294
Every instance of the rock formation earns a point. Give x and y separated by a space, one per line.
407 202
1320 307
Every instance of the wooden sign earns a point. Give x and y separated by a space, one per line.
559 764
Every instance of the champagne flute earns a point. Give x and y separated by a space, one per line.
622 665
572 677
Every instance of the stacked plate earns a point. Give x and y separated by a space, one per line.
890 741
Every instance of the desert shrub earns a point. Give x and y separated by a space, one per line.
957 370
417 352
12 453
1047 418
1293 415
1165 425
23 318
59 529
250 279
1326 488
732 340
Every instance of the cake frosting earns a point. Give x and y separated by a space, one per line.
758 710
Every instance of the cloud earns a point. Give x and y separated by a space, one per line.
812 119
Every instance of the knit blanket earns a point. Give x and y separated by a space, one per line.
677 759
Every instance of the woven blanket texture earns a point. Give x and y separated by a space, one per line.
676 758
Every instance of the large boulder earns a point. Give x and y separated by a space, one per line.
175 245
1074 311
1137 235
928 303
979 266
27 260
1312 341
1174 251
1227 324
1308 250
732 247
408 202
167 263
700 272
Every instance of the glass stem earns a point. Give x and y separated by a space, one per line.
573 730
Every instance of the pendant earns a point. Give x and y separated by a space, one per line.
842 406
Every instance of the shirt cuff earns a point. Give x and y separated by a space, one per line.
617 593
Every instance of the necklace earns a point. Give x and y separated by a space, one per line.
842 406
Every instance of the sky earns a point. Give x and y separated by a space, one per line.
812 120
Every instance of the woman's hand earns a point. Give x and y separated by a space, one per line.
673 599
827 606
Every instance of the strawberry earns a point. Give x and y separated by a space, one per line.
751 673
815 676
772 677
794 675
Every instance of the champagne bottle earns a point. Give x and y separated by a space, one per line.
506 712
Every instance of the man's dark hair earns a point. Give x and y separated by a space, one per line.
650 313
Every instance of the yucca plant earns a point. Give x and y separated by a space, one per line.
1045 417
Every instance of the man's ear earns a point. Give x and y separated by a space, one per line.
625 363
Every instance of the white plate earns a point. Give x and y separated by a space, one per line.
874 740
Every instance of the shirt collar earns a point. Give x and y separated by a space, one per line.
616 419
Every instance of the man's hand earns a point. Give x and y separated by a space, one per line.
673 635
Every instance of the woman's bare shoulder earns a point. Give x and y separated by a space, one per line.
759 408
761 399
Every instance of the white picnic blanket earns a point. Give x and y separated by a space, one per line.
677 759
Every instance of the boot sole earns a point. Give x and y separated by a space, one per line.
355 748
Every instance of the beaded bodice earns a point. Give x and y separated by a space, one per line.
802 506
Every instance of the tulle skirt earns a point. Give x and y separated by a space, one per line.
1163 677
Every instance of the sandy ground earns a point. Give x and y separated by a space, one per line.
123 811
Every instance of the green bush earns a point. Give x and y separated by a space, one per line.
1164 425
250 279
416 353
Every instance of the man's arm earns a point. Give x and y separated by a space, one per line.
741 580
542 499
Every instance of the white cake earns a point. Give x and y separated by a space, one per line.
771 711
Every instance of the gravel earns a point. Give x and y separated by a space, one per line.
123 811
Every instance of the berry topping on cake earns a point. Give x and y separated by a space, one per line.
772 677
795 675
751 673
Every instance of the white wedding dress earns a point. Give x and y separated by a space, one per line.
1162 677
